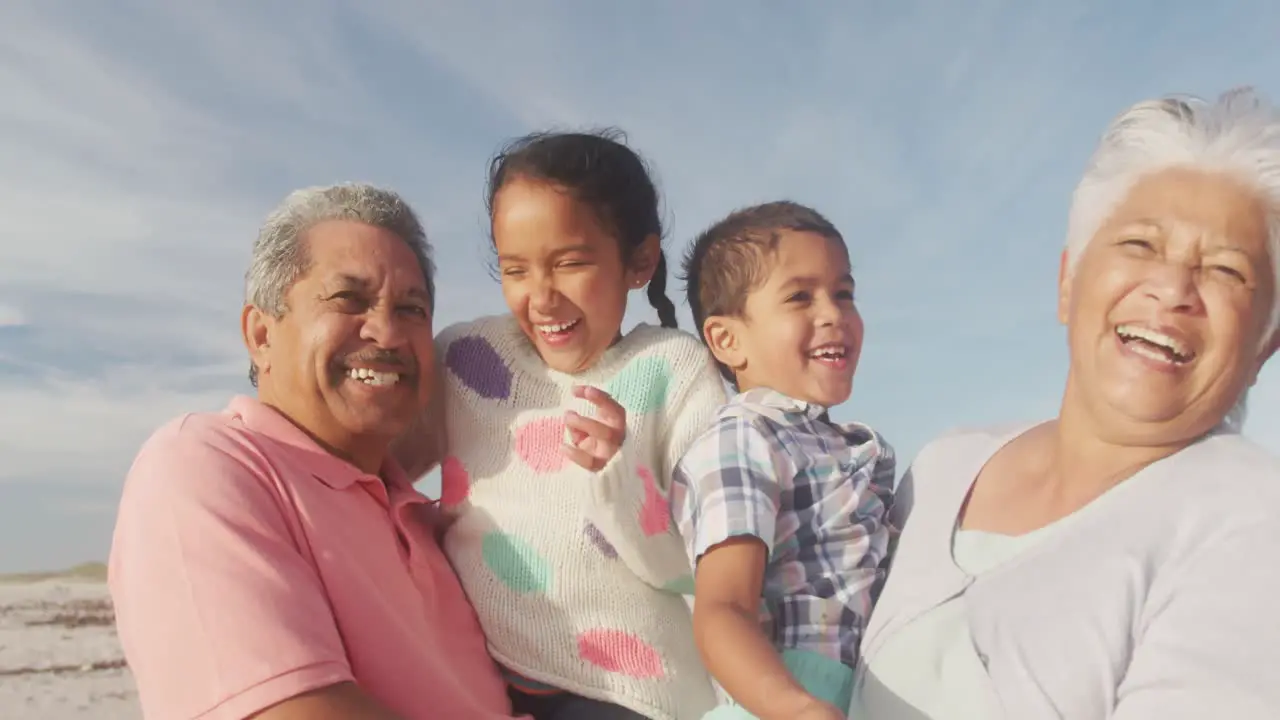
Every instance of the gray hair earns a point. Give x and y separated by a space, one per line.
280 253
1238 134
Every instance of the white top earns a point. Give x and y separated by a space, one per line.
930 669
567 568
1156 601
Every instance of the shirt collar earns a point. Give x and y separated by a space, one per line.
770 398
327 468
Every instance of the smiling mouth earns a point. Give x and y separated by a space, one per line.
375 378
557 331
1155 345
832 354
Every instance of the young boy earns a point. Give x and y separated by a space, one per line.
783 511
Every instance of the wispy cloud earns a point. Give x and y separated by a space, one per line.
144 141
11 316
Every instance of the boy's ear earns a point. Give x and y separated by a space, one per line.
724 340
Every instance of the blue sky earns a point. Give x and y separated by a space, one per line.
142 144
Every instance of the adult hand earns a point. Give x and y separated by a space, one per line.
594 441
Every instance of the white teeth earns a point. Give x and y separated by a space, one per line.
558 327
1175 352
830 351
373 377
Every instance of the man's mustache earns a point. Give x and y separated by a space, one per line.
387 359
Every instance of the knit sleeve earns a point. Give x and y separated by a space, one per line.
630 501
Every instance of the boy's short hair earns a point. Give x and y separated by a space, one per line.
730 259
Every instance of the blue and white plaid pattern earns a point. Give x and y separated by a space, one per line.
816 493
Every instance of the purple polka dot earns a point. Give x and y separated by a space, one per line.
474 361
597 538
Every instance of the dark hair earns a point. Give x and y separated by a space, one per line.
728 260
601 172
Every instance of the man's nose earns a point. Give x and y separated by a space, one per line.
384 326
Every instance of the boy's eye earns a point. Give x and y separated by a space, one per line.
845 295
417 310
800 297
512 271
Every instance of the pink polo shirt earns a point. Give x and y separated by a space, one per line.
249 566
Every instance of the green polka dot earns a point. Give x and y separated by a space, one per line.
515 563
641 387
680 586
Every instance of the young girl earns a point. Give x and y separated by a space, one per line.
569 555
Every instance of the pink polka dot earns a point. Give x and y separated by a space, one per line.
620 652
538 444
655 513
455 483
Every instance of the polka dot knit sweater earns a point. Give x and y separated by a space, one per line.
578 578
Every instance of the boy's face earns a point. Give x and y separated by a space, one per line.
800 332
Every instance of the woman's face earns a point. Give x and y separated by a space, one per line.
1168 306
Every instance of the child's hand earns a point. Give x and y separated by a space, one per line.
595 441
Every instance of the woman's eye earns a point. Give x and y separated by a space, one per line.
1137 243
1230 272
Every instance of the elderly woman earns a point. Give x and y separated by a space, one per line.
1123 559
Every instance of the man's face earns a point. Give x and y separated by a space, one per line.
350 361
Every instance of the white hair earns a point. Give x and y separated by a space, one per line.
280 255
1237 135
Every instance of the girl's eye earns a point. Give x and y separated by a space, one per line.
512 272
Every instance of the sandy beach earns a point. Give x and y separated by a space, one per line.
59 655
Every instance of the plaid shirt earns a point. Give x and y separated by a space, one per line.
815 492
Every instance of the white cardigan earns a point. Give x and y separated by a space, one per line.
1159 601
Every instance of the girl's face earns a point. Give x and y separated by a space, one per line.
563 274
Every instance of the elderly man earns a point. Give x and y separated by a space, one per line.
271 561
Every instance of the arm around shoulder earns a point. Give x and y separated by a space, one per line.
219 614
